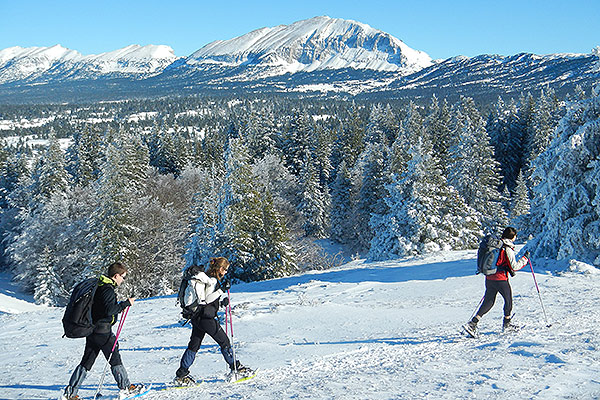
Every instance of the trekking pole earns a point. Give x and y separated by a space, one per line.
231 328
121 322
539 294
477 309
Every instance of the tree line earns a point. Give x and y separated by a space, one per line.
258 181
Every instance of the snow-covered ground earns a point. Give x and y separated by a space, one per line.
384 330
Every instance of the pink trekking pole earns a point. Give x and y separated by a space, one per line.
539 294
228 311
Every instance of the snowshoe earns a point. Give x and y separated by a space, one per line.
241 373
471 329
132 391
184 381
64 397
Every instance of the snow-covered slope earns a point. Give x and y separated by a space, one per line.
363 331
315 44
59 63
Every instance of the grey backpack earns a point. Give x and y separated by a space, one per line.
487 255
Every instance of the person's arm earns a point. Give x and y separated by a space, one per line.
514 264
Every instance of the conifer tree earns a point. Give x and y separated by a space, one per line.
372 191
342 229
520 202
473 171
438 129
85 156
47 288
49 174
248 230
298 142
425 214
349 142
124 174
565 211
312 204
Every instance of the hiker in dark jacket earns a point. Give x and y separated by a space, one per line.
498 282
105 309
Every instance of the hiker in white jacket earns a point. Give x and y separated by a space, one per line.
207 288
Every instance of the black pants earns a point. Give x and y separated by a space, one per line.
100 341
209 326
492 288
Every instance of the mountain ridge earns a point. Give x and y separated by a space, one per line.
317 57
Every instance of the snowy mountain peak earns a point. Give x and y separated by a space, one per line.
31 63
315 44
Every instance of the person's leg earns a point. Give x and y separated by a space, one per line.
506 292
75 382
214 330
491 290
90 353
189 355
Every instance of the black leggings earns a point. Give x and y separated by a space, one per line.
492 288
204 326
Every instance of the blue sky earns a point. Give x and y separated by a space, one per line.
440 28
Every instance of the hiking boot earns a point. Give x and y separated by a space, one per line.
471 328
240 371
131 390
73 397
67 394
187 380
508 326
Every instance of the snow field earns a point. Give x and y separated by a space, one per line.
385 330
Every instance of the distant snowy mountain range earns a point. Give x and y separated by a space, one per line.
316 56
39 64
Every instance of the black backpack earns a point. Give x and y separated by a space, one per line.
187 310
77 321
487 255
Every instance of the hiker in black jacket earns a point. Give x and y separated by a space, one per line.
105 309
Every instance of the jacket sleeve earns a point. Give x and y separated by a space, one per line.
514 264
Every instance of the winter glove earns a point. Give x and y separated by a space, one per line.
225 302
526 255
225 285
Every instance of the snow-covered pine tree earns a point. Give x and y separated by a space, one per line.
438 129
342 229
297 142
201 243
349 142
565 209
13 175
473 171
507 137
520 203
49 174
167 150
425 213
375 131
261 133
410 131
249 231
124 174
545 119
312 204
372 191
85 156
47 289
